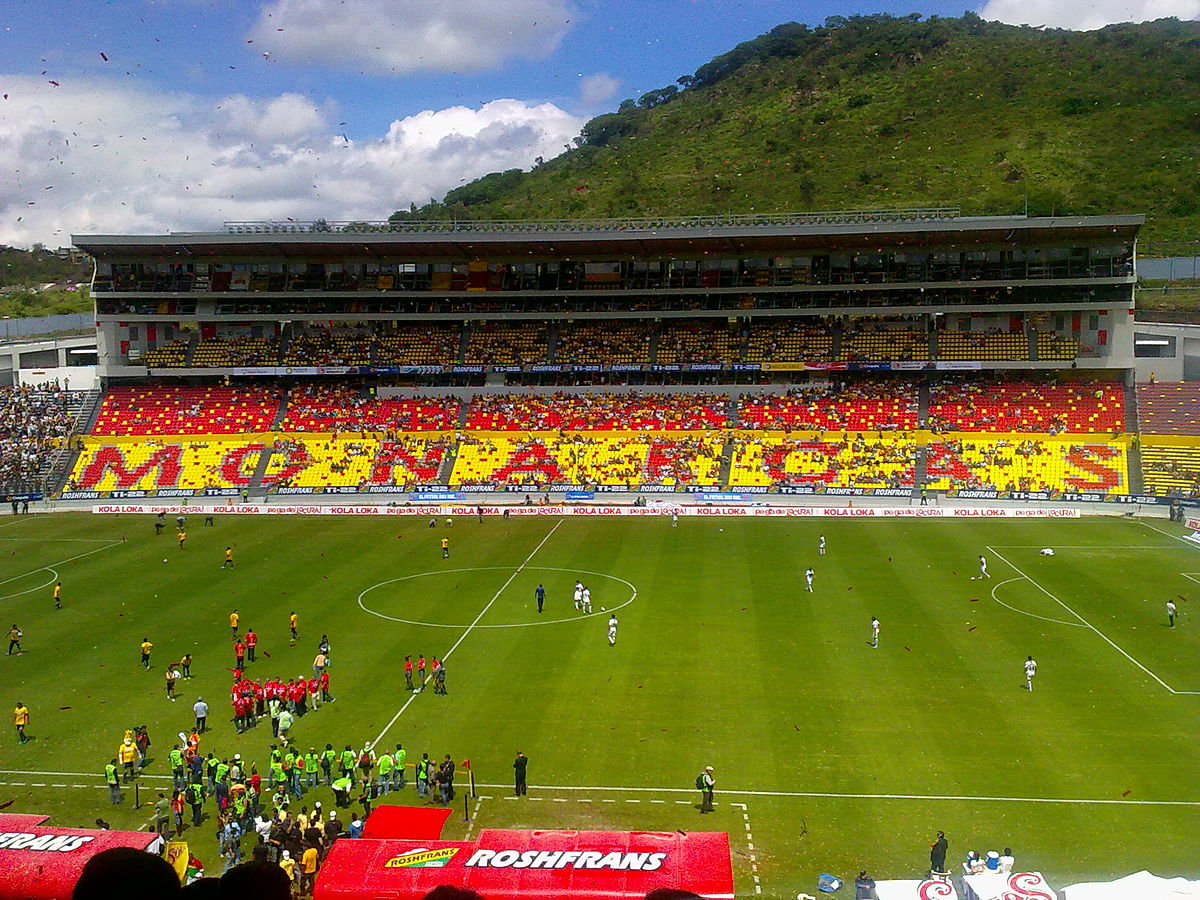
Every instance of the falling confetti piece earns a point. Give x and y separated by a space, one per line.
973 600
972 628
909 649
1126 793
55 83
104 56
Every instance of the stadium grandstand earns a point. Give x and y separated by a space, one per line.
896 353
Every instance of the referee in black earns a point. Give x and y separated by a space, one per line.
519 766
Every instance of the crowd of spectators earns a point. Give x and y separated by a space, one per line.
603 343
187 410
626 411
33 422
884 461
337 408
1042 406
867 405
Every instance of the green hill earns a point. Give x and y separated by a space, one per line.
877 111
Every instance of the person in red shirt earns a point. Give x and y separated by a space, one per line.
408 667
325 695
314 693
239 651
421 670
237 675
239 714
300 697
251 642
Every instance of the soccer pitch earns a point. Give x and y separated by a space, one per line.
830 755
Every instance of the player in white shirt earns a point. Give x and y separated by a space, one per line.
1171 613
983 572
612 630
874 632
579 595
674 520
821 546
1030 671
808 578
586 599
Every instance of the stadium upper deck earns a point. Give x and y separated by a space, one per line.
518 297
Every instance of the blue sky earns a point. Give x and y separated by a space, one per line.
180 114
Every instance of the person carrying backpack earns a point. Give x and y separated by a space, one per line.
705 784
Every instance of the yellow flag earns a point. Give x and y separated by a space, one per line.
178 856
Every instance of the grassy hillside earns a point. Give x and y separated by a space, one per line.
876 111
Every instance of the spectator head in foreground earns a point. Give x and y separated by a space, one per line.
126 872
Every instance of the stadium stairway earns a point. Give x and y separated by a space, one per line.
464 342
1131 408
921 466
1033 345
447 466
835 348
264 459
280 413
552 333
923 402
192 343
1133 455
726 461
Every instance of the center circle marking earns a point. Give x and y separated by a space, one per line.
632 596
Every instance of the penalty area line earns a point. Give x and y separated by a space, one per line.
1089 625
462 637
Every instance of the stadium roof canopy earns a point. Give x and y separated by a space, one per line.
745 236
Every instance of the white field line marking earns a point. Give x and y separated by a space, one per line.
1088 624
1173 537
1023 612
475 815
832 795
750 846
53 578
1091 546
633 596
69 774
59 540
61 562
462 637
1191 576
838 795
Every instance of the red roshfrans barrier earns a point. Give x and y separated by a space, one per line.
42 863
410 823
530 865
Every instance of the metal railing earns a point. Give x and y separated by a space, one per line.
627 223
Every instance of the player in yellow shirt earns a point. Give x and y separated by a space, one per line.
445 548
308 870
58 595
182 535
228 564
146 648
294 624
234 618
21 719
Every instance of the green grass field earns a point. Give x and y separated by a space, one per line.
836 755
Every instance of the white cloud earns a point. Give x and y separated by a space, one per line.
1086 15
595 89
99 157
402 36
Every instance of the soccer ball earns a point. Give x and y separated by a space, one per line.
603 609
972 577
164 559
722 530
